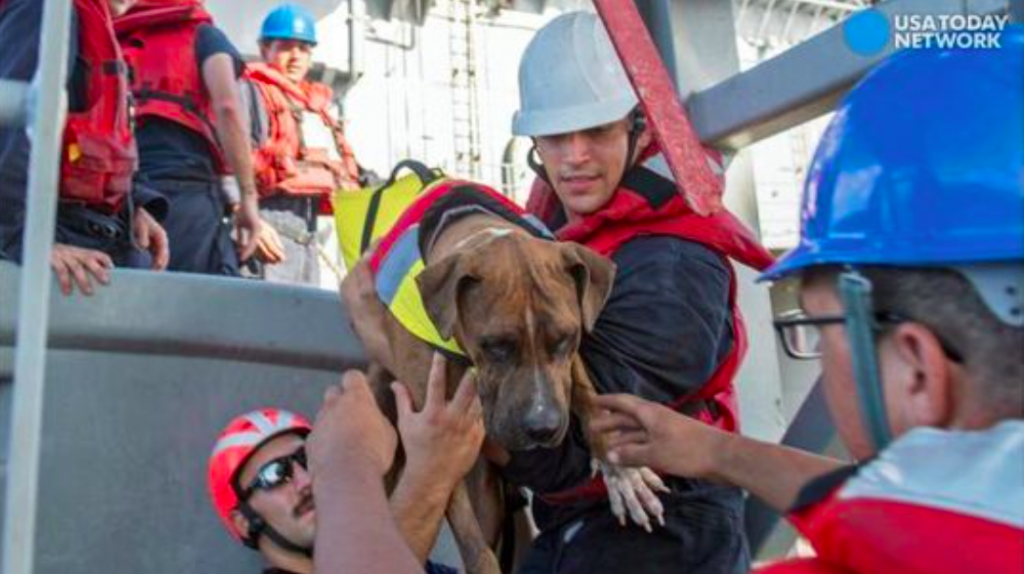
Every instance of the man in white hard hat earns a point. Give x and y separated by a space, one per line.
671 331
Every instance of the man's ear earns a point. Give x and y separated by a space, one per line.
594 276
924 377
441 284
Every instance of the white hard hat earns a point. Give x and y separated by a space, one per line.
570 79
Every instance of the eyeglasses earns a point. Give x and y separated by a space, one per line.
275 472
801 333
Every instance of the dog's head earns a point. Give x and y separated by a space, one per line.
518 306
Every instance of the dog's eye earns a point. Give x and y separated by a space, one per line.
499 351
563 346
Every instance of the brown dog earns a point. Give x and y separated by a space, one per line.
518 307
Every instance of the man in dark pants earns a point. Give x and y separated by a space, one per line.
671 330
192 131
103 219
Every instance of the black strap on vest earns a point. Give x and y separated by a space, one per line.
188 104
426 177
653 187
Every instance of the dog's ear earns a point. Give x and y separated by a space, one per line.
594 275
440 285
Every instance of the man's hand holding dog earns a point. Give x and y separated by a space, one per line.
441 441
351 435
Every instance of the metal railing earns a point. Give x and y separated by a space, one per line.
43 108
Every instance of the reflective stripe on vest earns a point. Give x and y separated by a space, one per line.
396 287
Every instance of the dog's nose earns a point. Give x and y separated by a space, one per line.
542 423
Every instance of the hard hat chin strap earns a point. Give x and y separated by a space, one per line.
258 526
861 326
533 160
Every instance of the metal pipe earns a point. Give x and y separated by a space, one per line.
789 22
13 103
833 4
47 121
765 20
779 94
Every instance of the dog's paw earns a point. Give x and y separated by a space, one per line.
631 490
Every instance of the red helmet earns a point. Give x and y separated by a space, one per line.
237 442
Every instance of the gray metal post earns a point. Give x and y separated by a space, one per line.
48 112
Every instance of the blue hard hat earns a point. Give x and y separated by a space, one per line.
922 165
289 22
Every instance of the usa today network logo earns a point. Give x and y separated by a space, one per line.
868 32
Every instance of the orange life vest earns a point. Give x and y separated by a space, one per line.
283 163
158 40
99 154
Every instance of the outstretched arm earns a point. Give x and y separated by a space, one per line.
644 433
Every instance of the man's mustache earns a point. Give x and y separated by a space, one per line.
304 506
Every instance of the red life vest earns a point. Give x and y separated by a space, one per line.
934 502
99 154
648 203
158 40
283 163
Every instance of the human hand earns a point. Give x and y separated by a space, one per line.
350 434
249 228
269 248
442 441
149 235
643 433
79 266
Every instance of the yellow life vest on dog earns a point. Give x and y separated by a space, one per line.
364 216
398 259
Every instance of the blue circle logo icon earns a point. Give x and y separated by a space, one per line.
867 32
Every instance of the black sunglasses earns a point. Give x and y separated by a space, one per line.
276 472
800 333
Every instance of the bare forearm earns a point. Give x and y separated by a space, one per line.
418 505
233 133
355 531
771 472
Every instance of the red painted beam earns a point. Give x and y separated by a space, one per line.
696 180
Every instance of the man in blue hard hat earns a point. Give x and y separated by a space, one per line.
300 152
911 268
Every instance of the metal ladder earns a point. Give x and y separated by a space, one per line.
41 105
465 104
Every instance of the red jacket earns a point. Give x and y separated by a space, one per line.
934 502
283 163
99 154
158 39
